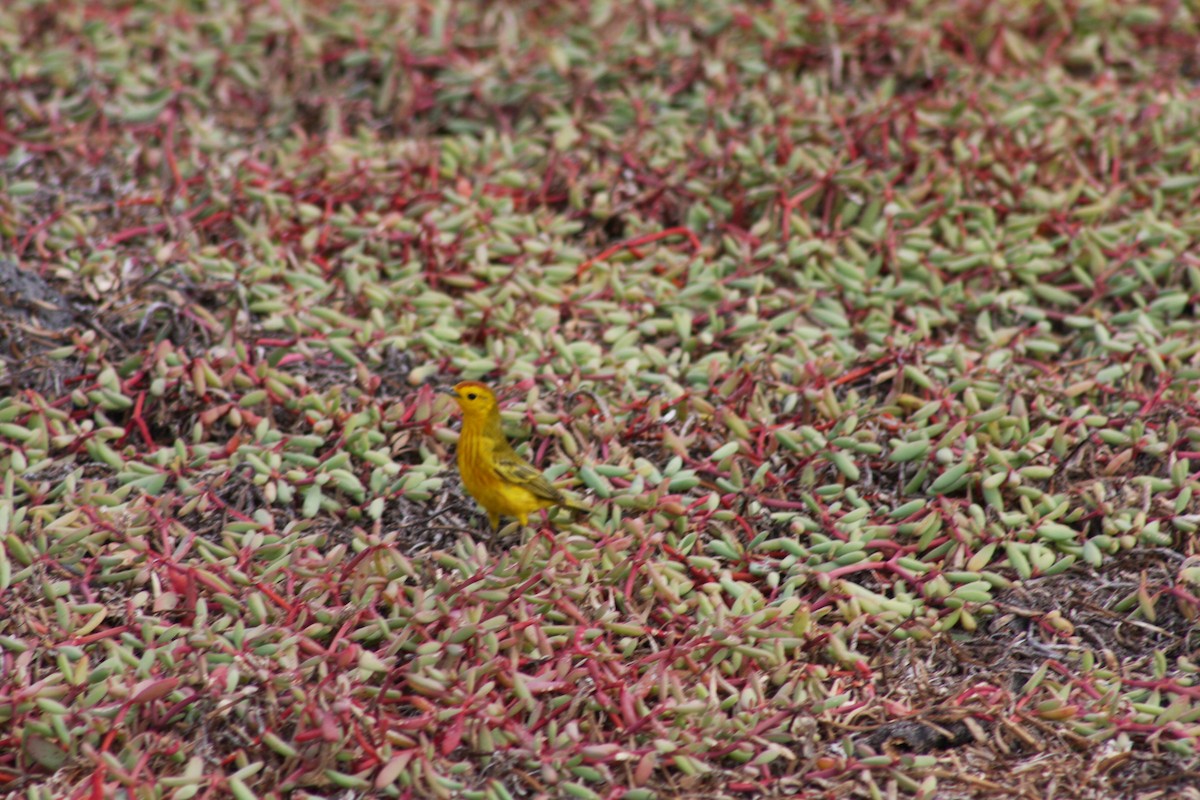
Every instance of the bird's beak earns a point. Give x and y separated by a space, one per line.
450 392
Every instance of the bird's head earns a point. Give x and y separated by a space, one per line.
474 398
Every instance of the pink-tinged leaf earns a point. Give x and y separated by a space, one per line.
453 735
330 730
538 685
645 768
151 690
392 769
628 712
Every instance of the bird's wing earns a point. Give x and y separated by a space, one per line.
514 469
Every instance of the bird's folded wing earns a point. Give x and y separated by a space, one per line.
514 469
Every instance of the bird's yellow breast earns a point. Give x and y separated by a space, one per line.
479 477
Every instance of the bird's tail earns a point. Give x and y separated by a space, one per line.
576 508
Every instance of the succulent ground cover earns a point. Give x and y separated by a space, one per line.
868 329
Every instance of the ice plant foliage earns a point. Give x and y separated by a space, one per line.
868 330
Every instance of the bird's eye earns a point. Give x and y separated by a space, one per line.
471 396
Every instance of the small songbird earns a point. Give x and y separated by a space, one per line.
505 484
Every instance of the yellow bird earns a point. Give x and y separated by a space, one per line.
505 484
